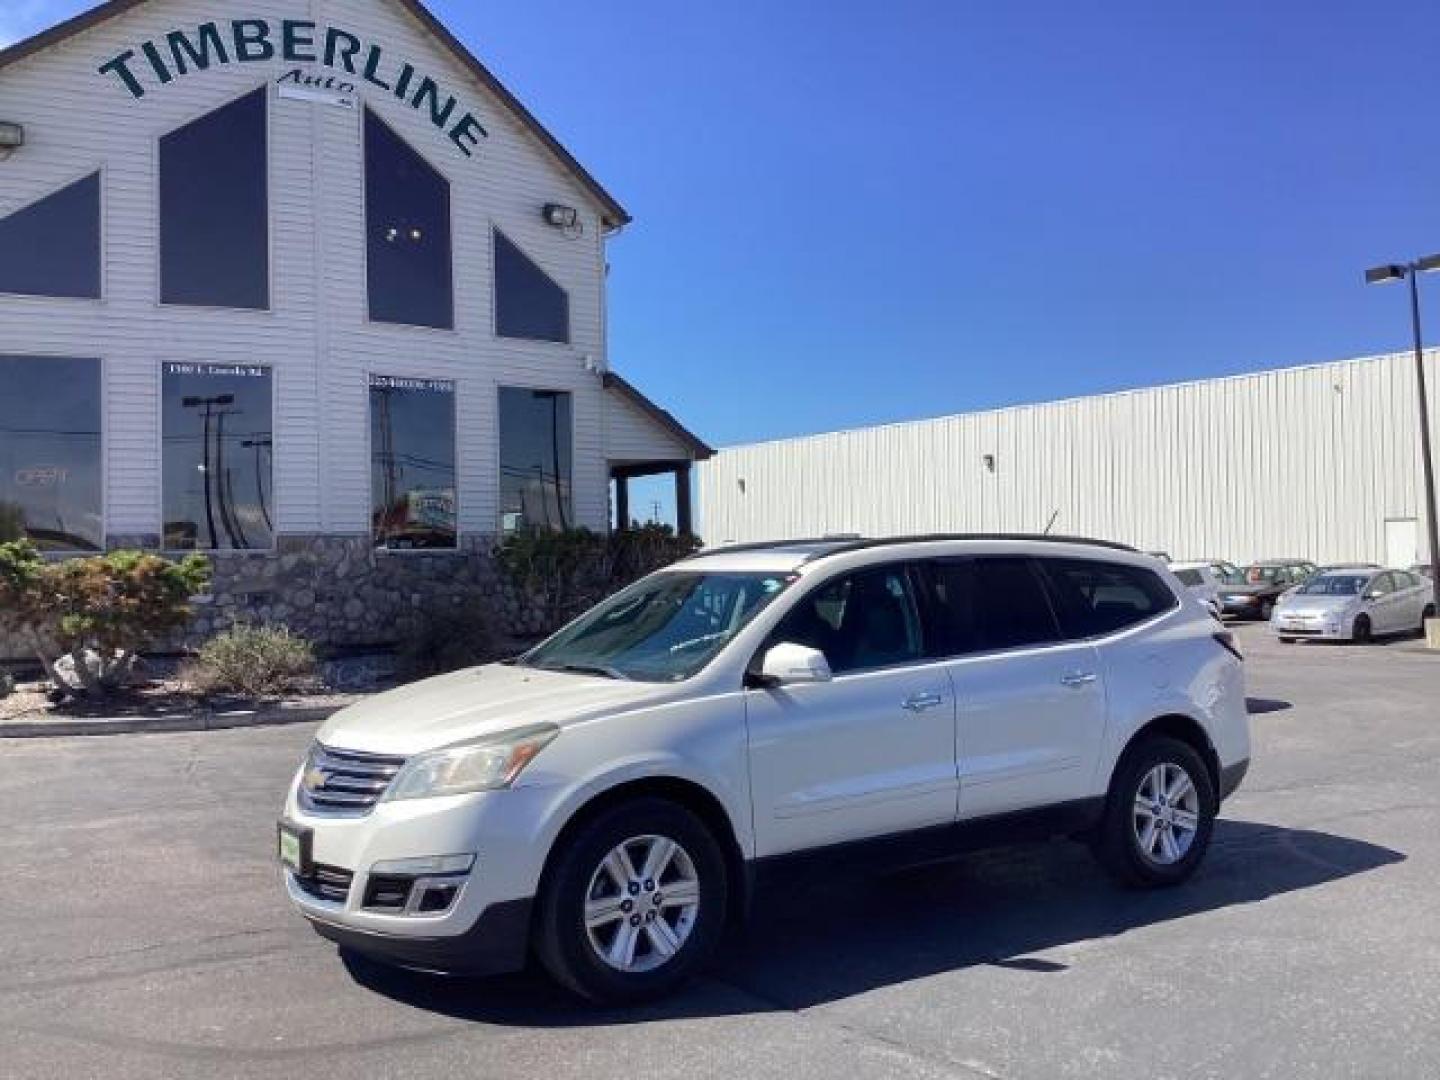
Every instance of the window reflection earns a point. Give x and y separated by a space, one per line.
218 457
412 462
52 247
528 302
50 452
535 459
214 209
407 222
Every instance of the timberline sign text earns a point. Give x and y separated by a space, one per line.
293 41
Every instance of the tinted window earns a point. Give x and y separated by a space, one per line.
407 225
50 452
217 486
1100 598
214 209
52 247
535 459
412 462
1384 584
990 603
528 303
863 620
1192 578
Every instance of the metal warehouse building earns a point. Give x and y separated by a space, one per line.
1321 462
301 285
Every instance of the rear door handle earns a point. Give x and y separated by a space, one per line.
1077 679
926 699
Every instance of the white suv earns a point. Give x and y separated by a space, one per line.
607 801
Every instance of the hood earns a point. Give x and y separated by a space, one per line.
480 701
1252 590
1316 605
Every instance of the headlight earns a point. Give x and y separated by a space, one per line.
481 765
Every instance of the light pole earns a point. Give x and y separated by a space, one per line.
1411 272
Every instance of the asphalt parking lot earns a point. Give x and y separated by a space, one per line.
144 933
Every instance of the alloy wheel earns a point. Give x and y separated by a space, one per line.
1167 814
641 904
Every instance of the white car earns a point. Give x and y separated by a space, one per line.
1201 580
608 801
1355 604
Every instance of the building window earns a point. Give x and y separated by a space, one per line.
535 459
52 247
407 225
50 460
214 209
412 463
528 303
218 455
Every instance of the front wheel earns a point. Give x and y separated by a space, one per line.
634 903
1363 632
1266 610
1426 616
1159 814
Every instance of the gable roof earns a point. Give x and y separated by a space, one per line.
614 214
698 448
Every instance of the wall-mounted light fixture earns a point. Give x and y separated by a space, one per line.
989 460
562 217
12 137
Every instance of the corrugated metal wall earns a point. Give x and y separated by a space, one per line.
1306 462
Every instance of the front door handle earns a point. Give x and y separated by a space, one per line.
927 699
1077 679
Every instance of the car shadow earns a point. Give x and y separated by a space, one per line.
833 935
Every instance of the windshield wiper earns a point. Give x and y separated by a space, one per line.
603 670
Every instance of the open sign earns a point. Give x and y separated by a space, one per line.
41 476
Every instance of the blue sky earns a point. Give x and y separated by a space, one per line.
856 212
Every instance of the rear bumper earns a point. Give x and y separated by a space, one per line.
498 942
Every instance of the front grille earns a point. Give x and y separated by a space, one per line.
345 782
326 883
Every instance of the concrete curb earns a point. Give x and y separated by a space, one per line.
145 725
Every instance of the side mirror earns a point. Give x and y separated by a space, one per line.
788 663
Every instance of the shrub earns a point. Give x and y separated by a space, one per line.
569 570
253 661
97 612
449 641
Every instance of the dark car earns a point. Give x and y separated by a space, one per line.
1421 568
1253 592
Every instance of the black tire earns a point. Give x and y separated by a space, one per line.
1266 610
562 941
1362 633
1287 641
1426 616
1117 845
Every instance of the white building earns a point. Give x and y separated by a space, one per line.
276 273
1320 462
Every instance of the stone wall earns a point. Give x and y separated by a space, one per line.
341 593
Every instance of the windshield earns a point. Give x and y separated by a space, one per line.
1265 575
1335 585
662 629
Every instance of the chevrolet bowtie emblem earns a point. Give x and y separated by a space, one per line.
315 779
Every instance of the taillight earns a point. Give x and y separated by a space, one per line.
1226 641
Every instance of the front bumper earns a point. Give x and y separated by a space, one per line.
497 943
1302 626
486 927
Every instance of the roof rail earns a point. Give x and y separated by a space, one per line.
840 545
1049 538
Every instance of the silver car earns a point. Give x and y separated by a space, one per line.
1354 605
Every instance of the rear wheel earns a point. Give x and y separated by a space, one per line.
634 903
1266 610
1287 641
1159 814
1362 633
1426 616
